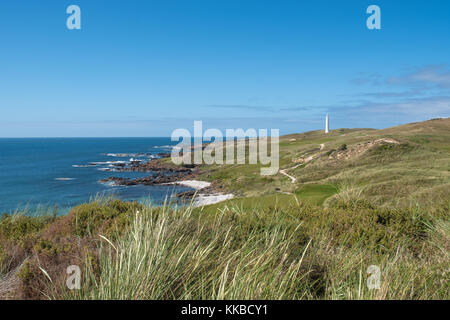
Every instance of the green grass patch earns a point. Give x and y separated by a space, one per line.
316 194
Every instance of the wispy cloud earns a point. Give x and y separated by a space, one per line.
242 107
395 94
425 76
430 76
438 106
364 78
304 108
420 82
275 109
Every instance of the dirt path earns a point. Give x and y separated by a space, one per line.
283 172
293 179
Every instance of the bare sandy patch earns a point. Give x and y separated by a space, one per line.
194 184
207 199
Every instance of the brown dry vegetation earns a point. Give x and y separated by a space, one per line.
30 247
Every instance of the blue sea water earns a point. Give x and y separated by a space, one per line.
39 173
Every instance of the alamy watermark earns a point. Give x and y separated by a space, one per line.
74 20
192 150
374 279
374 20
74 279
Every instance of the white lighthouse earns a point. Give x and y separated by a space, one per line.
327 127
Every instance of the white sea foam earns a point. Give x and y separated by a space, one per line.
109 183
108 162
83 165
127 155
195 184
64 179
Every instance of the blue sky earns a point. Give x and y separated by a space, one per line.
145 68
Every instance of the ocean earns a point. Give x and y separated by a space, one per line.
38 174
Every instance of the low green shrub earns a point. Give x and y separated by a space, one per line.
102 216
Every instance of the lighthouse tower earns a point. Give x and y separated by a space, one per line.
327 127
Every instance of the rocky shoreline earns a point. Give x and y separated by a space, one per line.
164 173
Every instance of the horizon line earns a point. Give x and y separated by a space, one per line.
123 137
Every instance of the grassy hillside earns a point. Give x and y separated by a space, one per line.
360 198
396 166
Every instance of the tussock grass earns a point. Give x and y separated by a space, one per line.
173 255
301 252
347 193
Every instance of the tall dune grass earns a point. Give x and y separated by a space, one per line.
180 254
175 256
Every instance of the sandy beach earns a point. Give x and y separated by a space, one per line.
207 199
203 199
